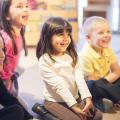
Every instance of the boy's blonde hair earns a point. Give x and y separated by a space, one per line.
90 23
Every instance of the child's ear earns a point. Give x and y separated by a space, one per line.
88 38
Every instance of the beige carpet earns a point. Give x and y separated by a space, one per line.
112 116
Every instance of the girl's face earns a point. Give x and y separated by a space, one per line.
18 13
100 36
2 55
60 43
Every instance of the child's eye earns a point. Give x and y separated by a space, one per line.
108 31
22 5
101 32
19 6
60 34
27 6
68 34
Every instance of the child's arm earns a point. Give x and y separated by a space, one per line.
114 74
90 77
86 67
88 105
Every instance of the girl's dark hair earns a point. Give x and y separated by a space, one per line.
6 25
52 26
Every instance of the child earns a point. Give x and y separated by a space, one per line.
98 61
60 71
13 17
12 110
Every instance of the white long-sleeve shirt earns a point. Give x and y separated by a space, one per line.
62 81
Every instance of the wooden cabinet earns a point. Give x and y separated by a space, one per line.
96 8
103 2
42 10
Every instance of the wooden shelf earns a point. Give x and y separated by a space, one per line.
103 2
96 8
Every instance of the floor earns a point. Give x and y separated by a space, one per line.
31 86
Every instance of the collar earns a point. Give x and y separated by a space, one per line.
95 54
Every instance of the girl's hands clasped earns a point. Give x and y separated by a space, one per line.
83 111
88 106
77 109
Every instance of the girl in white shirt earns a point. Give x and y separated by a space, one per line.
59 69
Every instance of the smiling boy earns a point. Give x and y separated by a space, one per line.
98 61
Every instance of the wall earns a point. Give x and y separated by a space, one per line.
43 9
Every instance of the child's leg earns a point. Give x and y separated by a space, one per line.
60 111
93 90
98 115
13 112
97 100
104 105
108 90
7 100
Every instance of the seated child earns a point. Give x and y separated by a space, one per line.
98 61
59 69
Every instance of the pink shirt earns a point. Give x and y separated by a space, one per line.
11 59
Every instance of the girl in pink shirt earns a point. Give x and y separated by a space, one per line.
13 17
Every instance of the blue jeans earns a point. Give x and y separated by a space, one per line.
92 88
97 97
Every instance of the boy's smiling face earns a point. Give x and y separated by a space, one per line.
100 36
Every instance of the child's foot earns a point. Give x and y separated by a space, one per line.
104 105
34 119
117 104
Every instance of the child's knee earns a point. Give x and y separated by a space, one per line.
98 116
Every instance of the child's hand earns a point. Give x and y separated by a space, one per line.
8 84
88 106
117 104
10 87
76 108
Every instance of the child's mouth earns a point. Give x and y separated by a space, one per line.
63 44
25 17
